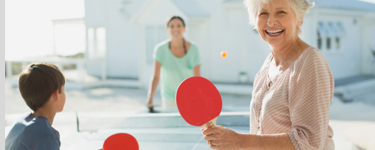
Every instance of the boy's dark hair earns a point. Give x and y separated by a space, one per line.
38 82
175 17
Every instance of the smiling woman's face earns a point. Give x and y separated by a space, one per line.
176 28
277 23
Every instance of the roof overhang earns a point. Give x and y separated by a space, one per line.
69 21
156 12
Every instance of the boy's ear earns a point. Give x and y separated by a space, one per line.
55 95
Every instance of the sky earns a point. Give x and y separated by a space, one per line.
29 30
371 1
28 26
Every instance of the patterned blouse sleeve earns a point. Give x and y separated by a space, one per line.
310 93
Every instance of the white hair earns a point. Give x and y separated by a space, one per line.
300 8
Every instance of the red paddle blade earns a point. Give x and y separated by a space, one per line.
120 141
198 100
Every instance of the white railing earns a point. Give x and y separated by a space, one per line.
78 62
81 79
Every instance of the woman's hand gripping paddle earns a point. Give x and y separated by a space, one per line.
120 141
199 102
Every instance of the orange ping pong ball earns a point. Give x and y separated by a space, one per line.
223 54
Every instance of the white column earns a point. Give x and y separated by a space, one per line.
104 70
24 64
54 38
142 56
81 71
95 42
86 56
9 69
58 64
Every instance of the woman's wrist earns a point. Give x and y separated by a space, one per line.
248 141
150 96
242 144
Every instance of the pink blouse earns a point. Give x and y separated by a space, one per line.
296 102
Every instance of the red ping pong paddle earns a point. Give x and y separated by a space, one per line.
198 101
120 141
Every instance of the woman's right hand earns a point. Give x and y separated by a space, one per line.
150 106
222 138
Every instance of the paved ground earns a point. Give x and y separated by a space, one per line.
105 111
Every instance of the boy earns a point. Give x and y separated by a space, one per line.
42 87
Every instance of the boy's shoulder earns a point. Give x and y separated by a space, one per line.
40 125
31 132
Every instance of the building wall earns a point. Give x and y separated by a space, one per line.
122 39
225 29
344 61
368 45
228 30
122 44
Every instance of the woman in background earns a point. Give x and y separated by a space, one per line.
175 60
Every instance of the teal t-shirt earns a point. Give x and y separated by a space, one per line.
174 69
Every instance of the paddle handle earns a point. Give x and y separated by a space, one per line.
210 124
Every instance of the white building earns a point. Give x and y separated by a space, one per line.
121 35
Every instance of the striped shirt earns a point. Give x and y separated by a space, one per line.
296 102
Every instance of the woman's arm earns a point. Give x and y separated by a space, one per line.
310 92
197 70
223 138
154 83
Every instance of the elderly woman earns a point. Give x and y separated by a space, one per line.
292 91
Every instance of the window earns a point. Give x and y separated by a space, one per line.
322 34
335 35
154 35
337 43
319 40
332 29
340 28
323 29
328 43
331 33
